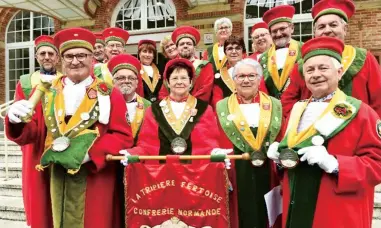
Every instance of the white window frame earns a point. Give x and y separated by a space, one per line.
298 18
143 19
18 45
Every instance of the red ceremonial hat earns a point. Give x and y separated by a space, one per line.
74 38
115 34
282 13
179 61
124 61
186 31
100 38
323 46
147 42
45 41
259 25
343 8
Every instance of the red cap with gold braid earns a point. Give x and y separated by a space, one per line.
44 41
124 61
116 34
283 13
259 25
343 8
147 42
329 46
182 62
100 38
186 32
74 38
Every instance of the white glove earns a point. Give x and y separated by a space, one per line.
320 156
217 151
19 109
125 160
273 153
86 158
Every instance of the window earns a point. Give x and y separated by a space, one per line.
22 30
137 15
302 19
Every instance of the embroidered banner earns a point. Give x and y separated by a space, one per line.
173 193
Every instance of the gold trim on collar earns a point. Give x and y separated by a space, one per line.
280 81
219 63
178 124
227 79
243 127
139 114
156 76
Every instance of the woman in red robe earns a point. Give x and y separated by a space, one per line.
180 123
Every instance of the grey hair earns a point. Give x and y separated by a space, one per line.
248 62
223 20
336 63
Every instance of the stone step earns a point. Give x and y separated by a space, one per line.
14 170
377 206
376 223
11 208
13 157
13 224
11 187
378 188
12 147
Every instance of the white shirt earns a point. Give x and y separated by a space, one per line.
178 108
131 108
251 113
311 114
148 70
221 53
74 94
281 56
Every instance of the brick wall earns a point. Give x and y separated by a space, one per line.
365 23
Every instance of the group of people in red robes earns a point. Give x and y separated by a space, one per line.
307 113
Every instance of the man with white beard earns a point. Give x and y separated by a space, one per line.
125 70
279 60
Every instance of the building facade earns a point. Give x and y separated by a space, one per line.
148 19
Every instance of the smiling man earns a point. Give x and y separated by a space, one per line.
186 38
99 49
33 186
362 75
115 39
81 116
261 39
336 138
279 60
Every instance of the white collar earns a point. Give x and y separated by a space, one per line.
84 83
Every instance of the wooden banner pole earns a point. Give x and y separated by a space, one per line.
245 156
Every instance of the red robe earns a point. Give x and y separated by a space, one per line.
35 185
255 56
101 179
366 86
204 136
202 87
347 200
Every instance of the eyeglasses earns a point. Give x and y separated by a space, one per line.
80 57
231 49
260 36
123 78
281 30
251 77
44 53
224 28
181 79
117 46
